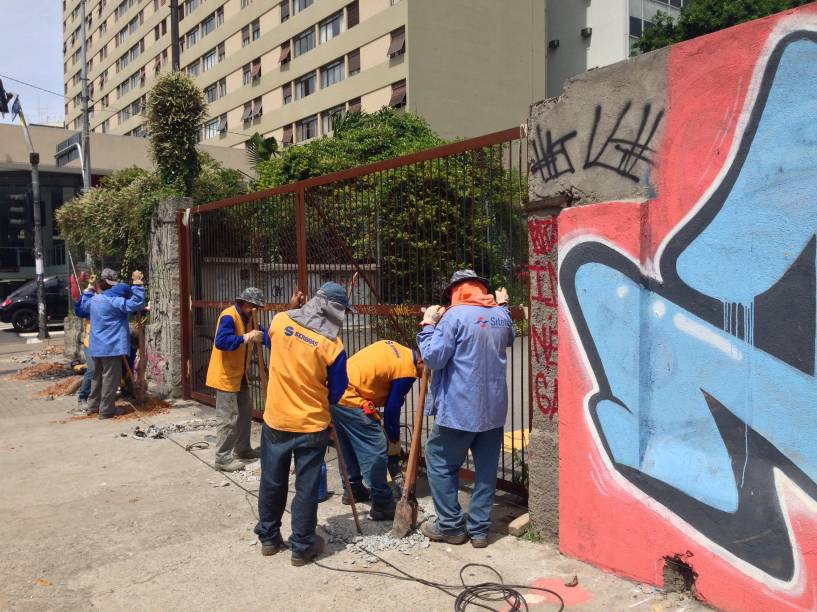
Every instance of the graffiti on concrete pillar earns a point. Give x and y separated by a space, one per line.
698 338
543 238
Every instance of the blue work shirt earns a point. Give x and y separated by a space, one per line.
466 351
108 311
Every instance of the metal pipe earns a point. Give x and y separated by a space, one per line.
85 150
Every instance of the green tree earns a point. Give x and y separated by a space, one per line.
175 111
261 149
701 17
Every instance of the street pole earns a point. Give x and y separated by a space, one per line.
86 127
174 35
34 159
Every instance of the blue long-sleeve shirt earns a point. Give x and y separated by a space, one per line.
466 351
394 404
109 311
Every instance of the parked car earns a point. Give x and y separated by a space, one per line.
20 307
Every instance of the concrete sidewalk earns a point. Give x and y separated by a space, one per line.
94 520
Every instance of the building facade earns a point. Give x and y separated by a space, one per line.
587 34
288 69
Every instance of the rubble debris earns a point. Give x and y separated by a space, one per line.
191 425
250 473
152 433
573 582
43 371
150 406
65 387
376 538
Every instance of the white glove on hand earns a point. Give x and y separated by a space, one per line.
432 315
501 296
253 336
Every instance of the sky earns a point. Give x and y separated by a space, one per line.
31 36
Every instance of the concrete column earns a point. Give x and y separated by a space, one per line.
164 364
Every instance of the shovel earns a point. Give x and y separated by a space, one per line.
405 514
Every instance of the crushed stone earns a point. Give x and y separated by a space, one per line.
250 473
376 538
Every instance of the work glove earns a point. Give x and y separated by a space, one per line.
432 315
91 283
137 278
501 296
253 336
296 301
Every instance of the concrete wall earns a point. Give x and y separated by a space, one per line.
686 312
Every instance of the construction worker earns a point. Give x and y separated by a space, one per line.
380 375
307 373
108 311
226 374
466 351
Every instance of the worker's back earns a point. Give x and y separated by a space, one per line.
373 369
298 388
109 319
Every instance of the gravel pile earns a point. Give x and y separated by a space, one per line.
250 473
191 425
376 538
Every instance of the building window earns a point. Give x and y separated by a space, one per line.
246 71
190 6
398 42
157 32
394 2
331 27
245 36
255 71
222 88
354 62
208 61
192 37
246 116
330 117
193 69
221 52
245 3
286 92
220 16
222 124
332 73
398 95
300 5
208 25
352 15
284 11
257 108
211 93
304 42
305 86
211 129
286 50
286 139
307 128
256 29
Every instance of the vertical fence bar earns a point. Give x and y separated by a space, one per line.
300 237
184 301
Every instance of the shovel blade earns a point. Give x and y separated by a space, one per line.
405 517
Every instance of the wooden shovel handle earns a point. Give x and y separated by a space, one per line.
416 435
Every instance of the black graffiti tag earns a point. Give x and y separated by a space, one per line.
621 152
552 157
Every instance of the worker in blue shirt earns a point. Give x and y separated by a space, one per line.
110 335
465 345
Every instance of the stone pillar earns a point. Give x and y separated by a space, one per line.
164 339
72 342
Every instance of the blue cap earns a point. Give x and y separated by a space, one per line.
335 293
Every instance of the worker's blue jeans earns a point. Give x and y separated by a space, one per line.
364 451
446 450
277 449
87 378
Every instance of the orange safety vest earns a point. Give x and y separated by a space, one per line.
87 339
226 368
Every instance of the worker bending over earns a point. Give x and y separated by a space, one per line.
227 375
108 309
466 350
307 373
380 375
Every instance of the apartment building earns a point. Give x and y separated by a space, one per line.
589 34
290 68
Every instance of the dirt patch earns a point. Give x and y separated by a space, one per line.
150 407
42 371
66 386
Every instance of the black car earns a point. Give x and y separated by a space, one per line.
20 307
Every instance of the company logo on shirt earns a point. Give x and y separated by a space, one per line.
394 348
290 331
493 322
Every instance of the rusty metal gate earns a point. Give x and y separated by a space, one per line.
404 224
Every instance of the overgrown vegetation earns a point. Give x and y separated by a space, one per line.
112 221
701 17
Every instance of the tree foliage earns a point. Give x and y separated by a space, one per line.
176 109
261 149
701 17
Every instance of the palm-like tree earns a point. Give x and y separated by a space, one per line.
261 149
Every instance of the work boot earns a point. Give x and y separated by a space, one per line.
430 530
361 493
382 511
479 542
299 559
233 465
271 548
250 455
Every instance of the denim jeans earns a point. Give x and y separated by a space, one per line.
446 450
364 450
87 378
277 449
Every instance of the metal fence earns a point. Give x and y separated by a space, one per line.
403 224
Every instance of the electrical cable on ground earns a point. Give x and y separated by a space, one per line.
466 594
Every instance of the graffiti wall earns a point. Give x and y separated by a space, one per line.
687 394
